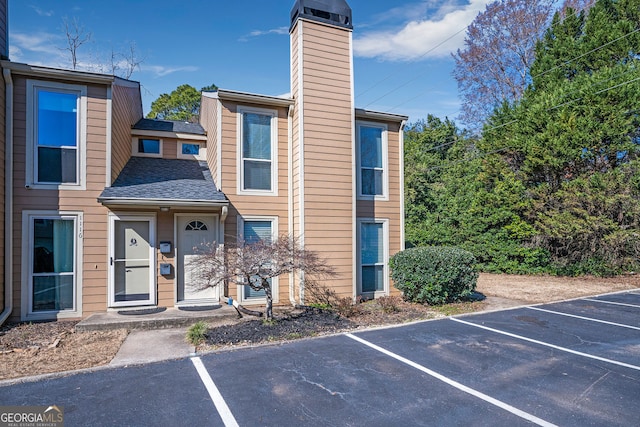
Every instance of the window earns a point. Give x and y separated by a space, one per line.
191 151
56 137
51 264
372 257
147 147
254 230
372 149
258 148
196 226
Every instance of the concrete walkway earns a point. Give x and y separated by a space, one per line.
144 346
156 334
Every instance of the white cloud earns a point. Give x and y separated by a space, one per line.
42 12
258 33
429 38
35 42
162 71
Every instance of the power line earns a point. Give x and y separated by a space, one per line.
585 54
384 79
455 139
480 64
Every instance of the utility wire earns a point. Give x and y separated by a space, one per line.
515 120
384 79
479 64
455 139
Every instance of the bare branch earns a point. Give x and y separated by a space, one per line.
254 264
76 37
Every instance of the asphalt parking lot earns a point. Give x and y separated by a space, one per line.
574 363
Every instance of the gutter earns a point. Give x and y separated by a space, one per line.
8 198
106 201
292 291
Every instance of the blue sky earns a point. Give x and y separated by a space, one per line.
402 48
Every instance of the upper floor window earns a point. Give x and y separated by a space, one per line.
373 162
56 135
147 147
258 151
191 150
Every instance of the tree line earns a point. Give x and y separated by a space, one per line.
548 180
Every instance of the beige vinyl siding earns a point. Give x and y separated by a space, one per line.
328 148
209 121
127 110
389 209
166 284
2 175
95 236
252 205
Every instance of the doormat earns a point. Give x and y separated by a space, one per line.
200 308
143 311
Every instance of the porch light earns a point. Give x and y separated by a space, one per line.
164 208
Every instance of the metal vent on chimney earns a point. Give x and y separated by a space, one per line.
334 12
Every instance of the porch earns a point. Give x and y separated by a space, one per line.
157 318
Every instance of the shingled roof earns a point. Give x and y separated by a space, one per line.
173 126
150 181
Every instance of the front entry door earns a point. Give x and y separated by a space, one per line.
132 261
194 231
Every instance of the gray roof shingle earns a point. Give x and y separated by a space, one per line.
170 180
169 126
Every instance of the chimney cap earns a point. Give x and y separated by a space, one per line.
333 12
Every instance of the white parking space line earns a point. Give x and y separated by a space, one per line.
585 318
525 415
568 350
221 406
611 302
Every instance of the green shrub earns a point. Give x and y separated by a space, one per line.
434 274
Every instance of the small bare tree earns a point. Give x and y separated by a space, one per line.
255 263
76 37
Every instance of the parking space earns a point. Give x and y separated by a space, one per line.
572 363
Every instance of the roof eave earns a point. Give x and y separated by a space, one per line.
378 115
168 134
230 95
57 73
133 202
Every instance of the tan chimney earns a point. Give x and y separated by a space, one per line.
323 133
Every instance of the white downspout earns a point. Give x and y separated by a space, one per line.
292 295
8 199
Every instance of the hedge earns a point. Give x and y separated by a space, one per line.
434 274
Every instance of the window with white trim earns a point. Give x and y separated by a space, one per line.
252 230
372 160
146 147
373 249
257 150
191 151
56 135
52 249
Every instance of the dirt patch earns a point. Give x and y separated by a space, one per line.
537 289
40 348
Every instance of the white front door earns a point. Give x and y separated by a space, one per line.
132 261
194 232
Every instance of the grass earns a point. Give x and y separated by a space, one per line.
196 333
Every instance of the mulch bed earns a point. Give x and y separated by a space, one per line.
293 325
